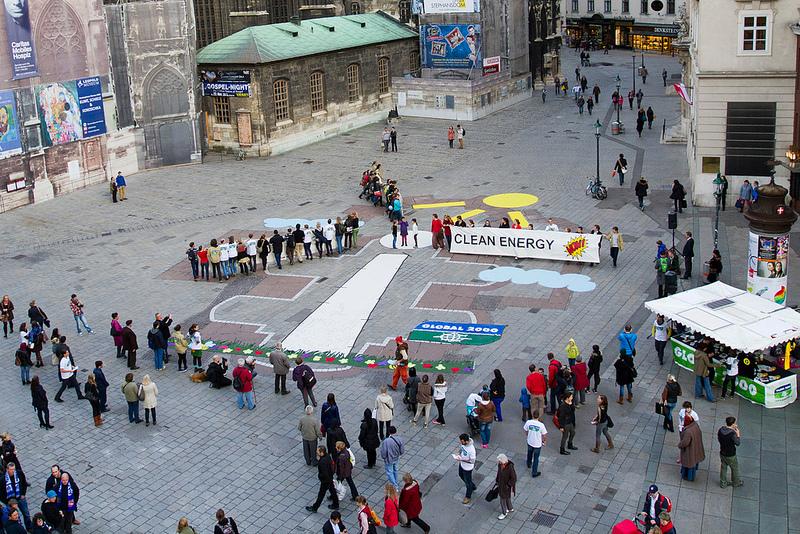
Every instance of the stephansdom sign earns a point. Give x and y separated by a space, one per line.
226 82
526 244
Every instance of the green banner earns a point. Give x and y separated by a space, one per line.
453 338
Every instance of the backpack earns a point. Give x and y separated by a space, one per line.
237 383
226 528
192 254
308 378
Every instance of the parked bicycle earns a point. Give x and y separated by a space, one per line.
596 189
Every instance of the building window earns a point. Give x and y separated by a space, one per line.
590 6
222 109
317 93
670 7
383 75
754 32
355 8
280 97
644 6
626 6
749 138
404 10
575 7
353 83
607 6
413 63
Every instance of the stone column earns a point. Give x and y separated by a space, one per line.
770 222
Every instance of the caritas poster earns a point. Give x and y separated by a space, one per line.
18 37
767 269
451 46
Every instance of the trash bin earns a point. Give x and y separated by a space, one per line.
617 128
671 282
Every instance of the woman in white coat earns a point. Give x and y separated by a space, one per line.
150 399
384 411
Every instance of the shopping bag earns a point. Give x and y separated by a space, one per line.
341 489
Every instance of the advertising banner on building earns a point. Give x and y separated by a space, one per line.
491 65
423 7
18 37
768 266
450 46
9 126
69 111
226 82
541 244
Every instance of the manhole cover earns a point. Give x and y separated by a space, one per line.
427 177
546 519
308 161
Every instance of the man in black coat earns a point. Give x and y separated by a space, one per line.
102 384
336 519
14 486
216 373
688 254
163 326
54 483
129 344
325 470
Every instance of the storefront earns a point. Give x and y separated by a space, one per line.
740 324
653 38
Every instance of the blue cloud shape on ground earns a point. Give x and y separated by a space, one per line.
553 279
281 224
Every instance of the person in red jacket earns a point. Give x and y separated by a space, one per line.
581 378
553 368
537 387
391 508
411 503
438 233
244 391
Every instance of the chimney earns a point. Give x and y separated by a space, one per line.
295 19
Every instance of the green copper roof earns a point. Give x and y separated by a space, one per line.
286 40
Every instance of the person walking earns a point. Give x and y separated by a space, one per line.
678 195
691 447
411 503
391 509
384 410
625 375
310 434
565 422
149 391
506 483
439 396
596 92
602 423
67 373
640 118
729 437
651 116
589 105
131 392
654 505
424 398
485 412
641 191
497 393
661 332
7 315
329 414
460 133
76 306
368 438
703 370
243 385
714 267
465 456
225 525
669 398
93 395
451 136
345 461
580 103
621 168
631 96
306 380
325 471
664 76
595 359
627 340
40 403
391 449
536 438
280 366
688 255
617 244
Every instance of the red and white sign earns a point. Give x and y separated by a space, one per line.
491 65
681 90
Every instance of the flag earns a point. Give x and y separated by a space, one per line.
681 90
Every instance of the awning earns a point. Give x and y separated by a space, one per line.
731 316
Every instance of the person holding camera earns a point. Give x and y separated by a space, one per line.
77 312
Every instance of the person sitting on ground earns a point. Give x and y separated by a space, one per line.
216 373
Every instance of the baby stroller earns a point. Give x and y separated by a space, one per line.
472 422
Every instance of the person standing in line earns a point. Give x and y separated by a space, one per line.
393 138
437 232
368 438
729 437
391 450
224 259
553 370
288 244
497 393
330 236
688 254
181 347
244 393
280 366
641 191
306 380
621 168
93 395
191 254
384 410
506 483
411 503
252 252
465 456
536 384
536 437
339 231
565 415
661 331
131 392
424 397
451 136
262 250
76 306
669 398
67 372
7 315
150 392
439 396
40 404
310 433
625 374
277 247
602 422
731 373
692 450
460 133
595 360
102 385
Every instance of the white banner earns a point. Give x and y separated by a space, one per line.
445 6
541 244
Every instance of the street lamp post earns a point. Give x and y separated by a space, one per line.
618 98
634 73
597 127
718 197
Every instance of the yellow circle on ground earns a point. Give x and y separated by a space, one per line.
511 200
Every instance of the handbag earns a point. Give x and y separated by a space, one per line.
140 392
403 517
659 408
609 421
683 203
492 494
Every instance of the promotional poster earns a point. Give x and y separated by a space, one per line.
20 43
767 269
452 46
90 102
9 126
526 244
226 82
70 110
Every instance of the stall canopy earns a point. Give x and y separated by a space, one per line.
731 316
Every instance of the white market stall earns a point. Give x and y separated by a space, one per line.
741 321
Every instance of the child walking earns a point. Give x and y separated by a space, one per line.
525 400
403 232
